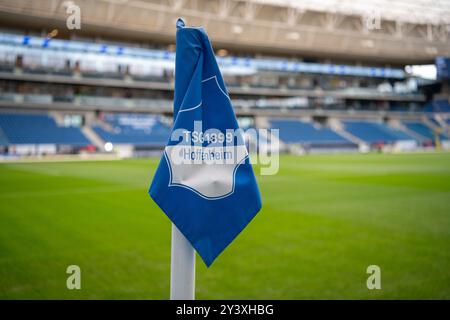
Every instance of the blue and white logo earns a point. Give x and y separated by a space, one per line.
204 183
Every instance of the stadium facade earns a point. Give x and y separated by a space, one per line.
331 78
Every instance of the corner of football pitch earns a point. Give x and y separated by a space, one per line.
325 219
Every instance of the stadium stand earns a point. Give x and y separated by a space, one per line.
133 129
294 131
434 121
132 82
375 132
437 106
3 139
421 129
39 129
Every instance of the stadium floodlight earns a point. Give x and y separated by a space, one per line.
294 35
237 29
222 52
427 71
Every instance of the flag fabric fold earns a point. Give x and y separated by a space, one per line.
204 182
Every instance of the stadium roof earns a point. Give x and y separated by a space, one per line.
388 31
406 11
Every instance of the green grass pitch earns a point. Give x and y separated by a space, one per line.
325 218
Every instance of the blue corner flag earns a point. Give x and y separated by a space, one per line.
204 182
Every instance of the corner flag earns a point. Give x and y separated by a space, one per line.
204 182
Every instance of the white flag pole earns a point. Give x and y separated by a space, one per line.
182 268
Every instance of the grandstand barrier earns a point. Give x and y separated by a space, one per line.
123 102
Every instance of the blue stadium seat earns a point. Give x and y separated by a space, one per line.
134 129
294 131
422 129
3 139
373 132
24 128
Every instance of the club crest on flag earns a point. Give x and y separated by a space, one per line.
221 176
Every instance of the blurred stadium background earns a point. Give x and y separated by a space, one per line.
347 77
